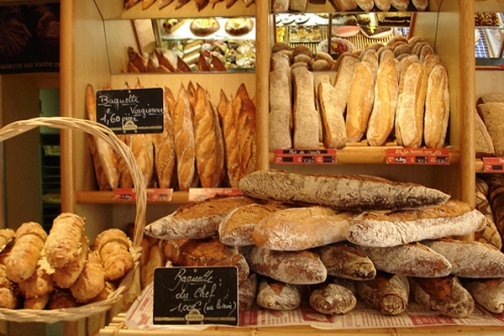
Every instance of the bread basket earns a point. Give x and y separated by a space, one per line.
103 132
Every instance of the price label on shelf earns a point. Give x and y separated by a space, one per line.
305 156
493 164
419 156
153 194
199 194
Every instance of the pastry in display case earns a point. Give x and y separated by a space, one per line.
488 37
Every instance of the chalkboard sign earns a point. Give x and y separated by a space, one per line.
196 295
131 111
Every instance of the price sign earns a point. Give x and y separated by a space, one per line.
305 156
419 156
200 194
131 111
196 295
493 164
129 194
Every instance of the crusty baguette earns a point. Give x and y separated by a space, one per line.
21 262
280 112
333 122
247 133
205 252
344 261
332 299
414 259
388 293
489 293
437 107
228 110
360 101
195 220
276 295
391 228
236 228
443 296
293 267
386 90
346 192
346 65
306 120
410 106
470 259
301 228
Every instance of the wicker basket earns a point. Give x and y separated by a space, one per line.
101 131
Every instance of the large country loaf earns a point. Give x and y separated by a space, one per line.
346 192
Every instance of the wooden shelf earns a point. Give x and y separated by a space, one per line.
107 197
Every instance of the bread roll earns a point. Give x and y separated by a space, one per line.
391 228
410 107
386 90
400 5
67 275
301 228
365 5
280 113
21 262
183 129
8 298
332 299
443 296
344 261
333 122
414 259
276 295
306 120
91 281
37 303
39 284
488 293
470 259
113 247
292 267
236 228
383 5
195 220
387 293
437 107
360 101
346 192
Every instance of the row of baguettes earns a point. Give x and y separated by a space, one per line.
279 6
395 92
202 144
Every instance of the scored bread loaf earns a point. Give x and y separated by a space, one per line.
333 121
195 220
301 228
280 112
346 192
236 227
293 267
344 261
227 113
437 107
489 293
276 295
470 259
386 292
391 228
443 296
346 65
247 134
332 299
164 145
306 119
414 259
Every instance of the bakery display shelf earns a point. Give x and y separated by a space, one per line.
107 197
184 32
114 10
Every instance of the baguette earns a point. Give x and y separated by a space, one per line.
437 107
414 259
21 262
205 252
332 299
195 220
344 261
301 228
410 106
443 296
276 295
387 293
345 70
386 90
292 267
360 101
470 259
236 228
62 299
228 115
306 120
392 228
345 192
280 112
333 122
488 293
247 134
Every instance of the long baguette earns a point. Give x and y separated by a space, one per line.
347 192
489 293
344 261
333 122
306 120
437 107
386 292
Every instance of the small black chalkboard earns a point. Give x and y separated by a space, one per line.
131 111
196 295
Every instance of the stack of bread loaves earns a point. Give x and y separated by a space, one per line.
203 143
334 239
60 269
398 91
